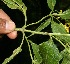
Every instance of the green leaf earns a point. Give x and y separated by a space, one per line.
62 53
37 57
66 59
44 25
51 4
19 2
11 4
65 15
49 52
59 28
14 4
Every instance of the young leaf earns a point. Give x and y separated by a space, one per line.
51 4
44 25
37 57
49 52
59 28
65 15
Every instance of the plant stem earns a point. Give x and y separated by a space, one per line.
18 29
22 39
43 33
38 21
46 33
34 32
60 42
29 50
55 14
24 9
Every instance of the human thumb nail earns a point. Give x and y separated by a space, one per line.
6 26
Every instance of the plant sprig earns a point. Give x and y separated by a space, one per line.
56 32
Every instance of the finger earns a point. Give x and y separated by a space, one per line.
12 35
4 15
6 26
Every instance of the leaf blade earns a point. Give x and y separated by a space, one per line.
65 15
59 28
37 57
66 59
49 52
44 25
19 2
51 4
10 4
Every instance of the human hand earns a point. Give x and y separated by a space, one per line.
7 26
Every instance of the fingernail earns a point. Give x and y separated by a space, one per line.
10 26
6 26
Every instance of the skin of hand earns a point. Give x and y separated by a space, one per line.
7 26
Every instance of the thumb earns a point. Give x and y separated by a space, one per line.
6 26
